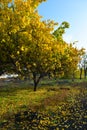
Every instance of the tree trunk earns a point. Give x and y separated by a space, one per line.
85 73
36 80
81 73
35 86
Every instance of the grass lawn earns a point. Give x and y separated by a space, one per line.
49 98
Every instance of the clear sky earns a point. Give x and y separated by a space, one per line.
72 11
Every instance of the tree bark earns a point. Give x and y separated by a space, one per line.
36 80
84 72
35 86
81 73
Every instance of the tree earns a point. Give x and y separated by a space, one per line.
27 40
69 55
83 65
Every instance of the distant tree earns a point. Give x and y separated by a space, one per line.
69 55
83 65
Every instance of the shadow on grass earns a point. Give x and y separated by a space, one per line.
67 116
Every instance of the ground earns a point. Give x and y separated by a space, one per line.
58 106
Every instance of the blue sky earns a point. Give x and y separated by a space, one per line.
72 11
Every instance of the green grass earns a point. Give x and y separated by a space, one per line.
14 97
49 97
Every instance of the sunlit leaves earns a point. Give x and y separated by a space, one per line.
58 33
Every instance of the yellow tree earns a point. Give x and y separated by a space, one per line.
72 55
69 55
28 42
38 52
